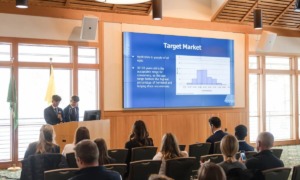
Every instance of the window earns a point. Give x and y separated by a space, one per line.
87 55
271 96
5 51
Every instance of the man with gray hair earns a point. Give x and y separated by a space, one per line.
264 159
87 154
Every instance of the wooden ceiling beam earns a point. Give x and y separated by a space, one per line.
283 12
215 16
249 12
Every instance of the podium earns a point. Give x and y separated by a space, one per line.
65 132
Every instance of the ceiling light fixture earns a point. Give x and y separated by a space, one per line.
257 21
156 9
21 4
122 1
297 6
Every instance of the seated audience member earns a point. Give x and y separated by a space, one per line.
81 134
211 171
240 134
264 159
45 144
104 158
218 134
169 150
159 177
229 147
87 156
138 138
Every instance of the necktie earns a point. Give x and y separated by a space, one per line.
55 110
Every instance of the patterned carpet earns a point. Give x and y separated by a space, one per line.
290 155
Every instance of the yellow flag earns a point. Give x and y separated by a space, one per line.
51 87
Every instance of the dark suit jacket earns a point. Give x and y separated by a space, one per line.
96 173
217 136
51 117
243 146
68 116
262 161
31 150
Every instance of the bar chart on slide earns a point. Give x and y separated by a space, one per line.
197 75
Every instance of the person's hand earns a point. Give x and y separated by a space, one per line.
241 160
59 116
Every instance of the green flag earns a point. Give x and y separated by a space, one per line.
12 98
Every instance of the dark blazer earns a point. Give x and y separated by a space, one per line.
51 117
31 150
69 116
262 161
96 173
243 146
217 136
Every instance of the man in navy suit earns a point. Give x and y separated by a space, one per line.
71 112
53 114
240 134
218 134
87 154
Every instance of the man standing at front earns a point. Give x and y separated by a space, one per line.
87 155
71 112
53 114
218 134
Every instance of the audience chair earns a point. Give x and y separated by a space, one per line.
140 170
180 168
296 173
215 158
143 153
198 150
182 147
60 174
281 173
120 168
249 154
277 152
118 154
217 149
71 160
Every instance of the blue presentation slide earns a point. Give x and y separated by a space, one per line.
165 71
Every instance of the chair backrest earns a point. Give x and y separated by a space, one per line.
215 158
281 173
143 153
118 154
249 154
143 169
71 160
180 168
296 173
277 152
182 147
120 168
60 174
238 174
198 150
217 149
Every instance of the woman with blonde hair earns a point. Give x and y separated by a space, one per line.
211 171
229 147
81 134
169 150
45 144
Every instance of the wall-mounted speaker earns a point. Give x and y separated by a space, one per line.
266 42
89 28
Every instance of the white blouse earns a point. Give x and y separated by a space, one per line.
69 148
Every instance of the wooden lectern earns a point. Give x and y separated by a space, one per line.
65 132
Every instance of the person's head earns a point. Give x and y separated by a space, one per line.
264 141
86 153
81 134
46 137
159 177
56 100
139 131
74 101
170 148
103 155
215 123
211 171
229 147
240 132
